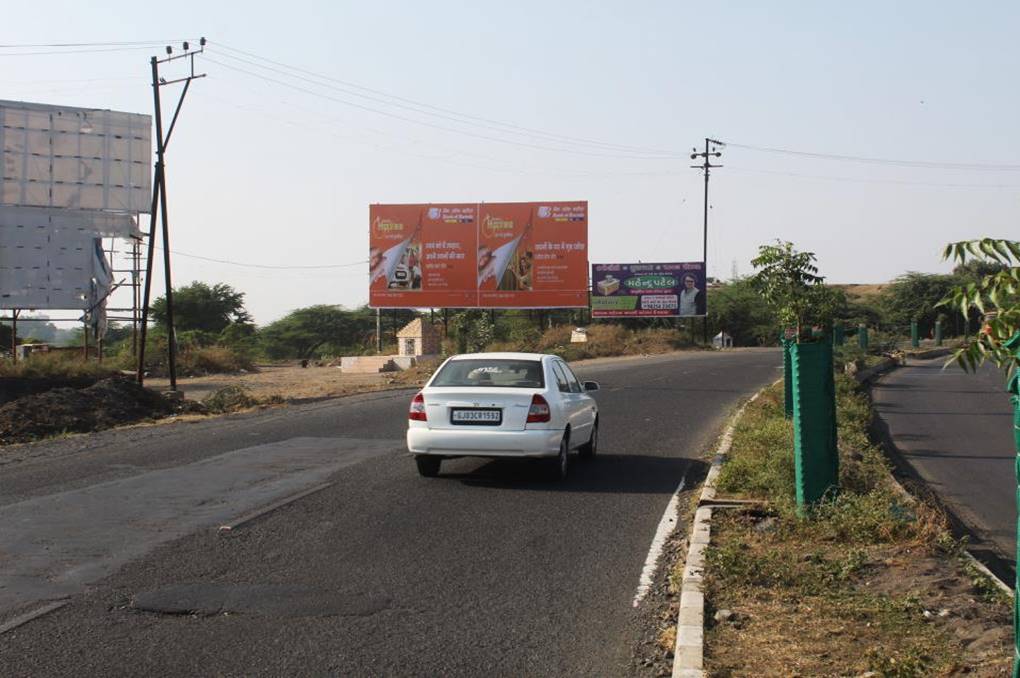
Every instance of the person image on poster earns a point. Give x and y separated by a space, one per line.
692 300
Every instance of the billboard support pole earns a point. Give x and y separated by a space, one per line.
706 166
378 330
14 335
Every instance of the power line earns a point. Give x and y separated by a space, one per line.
78 51
857 180
433 125
94 44
463 118
267 266
880 161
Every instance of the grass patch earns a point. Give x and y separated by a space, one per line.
868 580
56 366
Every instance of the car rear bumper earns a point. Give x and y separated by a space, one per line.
540 443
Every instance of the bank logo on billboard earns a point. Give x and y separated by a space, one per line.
544 211
433 213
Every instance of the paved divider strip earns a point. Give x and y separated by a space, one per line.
23 619
689 650
247 518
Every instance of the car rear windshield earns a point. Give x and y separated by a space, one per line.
498 373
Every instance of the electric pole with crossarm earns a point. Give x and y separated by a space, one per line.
710 152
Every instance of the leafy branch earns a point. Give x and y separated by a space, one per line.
995 295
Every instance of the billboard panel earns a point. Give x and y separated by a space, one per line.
533 255
493 255
77 158
648 290
422 255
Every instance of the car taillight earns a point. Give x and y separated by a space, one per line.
539 410
417 410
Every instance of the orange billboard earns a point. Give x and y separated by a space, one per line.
422 256
492 255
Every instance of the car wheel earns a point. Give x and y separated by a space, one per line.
428 466
591 448
559 465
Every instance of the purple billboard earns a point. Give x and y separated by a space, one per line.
674 290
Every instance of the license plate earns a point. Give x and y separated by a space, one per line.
487 417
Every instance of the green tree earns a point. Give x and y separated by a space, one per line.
913 297
472 330
203 308
995 295
304 331
786 280
737 309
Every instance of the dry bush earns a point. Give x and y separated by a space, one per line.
56 366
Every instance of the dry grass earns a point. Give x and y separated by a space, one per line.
856 584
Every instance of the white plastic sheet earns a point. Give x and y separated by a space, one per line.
43 266
76 158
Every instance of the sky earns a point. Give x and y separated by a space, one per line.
312 111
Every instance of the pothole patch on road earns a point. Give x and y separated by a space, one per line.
207 599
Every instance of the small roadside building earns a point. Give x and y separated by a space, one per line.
418 338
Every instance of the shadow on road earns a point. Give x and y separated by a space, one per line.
614 473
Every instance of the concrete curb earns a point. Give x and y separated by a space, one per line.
689 649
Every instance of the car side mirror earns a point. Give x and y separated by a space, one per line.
591 386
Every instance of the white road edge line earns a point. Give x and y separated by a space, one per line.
666 526
32 614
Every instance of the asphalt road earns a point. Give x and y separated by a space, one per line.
486 570
955 431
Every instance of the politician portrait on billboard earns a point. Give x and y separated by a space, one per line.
648 290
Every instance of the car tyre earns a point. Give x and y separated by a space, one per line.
559 465
428 466
591 448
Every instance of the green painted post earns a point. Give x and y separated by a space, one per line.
862 336
1013 387
938 332
915 335
787 378
838 335
816 457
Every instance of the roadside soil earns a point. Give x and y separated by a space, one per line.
108 403
291 382
892 609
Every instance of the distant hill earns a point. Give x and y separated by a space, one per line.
861 292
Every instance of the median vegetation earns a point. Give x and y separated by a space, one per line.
869 579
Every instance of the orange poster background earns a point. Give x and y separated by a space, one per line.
435 268
493 255
549 265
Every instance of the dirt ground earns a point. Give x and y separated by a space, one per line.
289 382
108 403
884 610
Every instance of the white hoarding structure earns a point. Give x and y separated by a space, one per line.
76 158
68 177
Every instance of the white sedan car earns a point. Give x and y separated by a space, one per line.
503 405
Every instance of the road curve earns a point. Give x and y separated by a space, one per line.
486 570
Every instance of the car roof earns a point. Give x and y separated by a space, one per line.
502 355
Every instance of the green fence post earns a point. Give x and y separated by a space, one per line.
787 378
862 336
915 335
1014 389
938 332
816 457
838 335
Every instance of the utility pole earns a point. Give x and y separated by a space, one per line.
706 166
159 200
